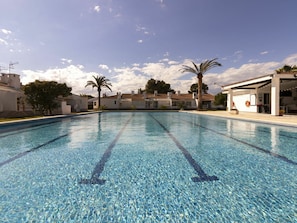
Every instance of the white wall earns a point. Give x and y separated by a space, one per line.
11 80
164 103
9 93
109 103
8 100
138 104
126 104
240 102
66 109
78 103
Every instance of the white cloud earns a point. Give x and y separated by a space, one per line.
126 80
144 30
135 76
97 8
103 66
164 60
64 61
232 75
172 62
72 75
166 54
264 52
290 60
253 60
80 66
140 28
140 41
3 42
238 55
5 31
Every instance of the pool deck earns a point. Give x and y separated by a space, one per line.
289 120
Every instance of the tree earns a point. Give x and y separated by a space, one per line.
286 69
99 83
199 70
155 85
194 88
42 95
220 99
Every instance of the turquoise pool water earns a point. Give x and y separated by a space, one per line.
148 167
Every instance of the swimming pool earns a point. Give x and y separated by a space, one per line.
148 167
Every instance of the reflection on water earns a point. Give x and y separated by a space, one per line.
275 142
238 128
83 131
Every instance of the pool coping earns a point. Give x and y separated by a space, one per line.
44 118
285 120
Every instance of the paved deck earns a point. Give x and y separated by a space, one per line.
290 120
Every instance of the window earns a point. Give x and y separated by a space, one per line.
188 104
253 99
287 93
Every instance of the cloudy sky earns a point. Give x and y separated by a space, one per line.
131 41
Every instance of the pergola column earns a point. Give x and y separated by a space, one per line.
230 100
275 89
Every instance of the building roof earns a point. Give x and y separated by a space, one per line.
4 87
289 80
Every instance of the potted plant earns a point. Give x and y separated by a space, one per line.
281 112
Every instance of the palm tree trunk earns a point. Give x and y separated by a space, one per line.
199 107
99 101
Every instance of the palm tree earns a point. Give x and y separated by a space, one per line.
100 82
199 70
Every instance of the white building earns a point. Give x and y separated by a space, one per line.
13 103
153 101
274 94
9 92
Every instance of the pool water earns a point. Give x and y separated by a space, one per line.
148 167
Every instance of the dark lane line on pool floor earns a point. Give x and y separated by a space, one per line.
17 131
248 144
95 178
30 150
202 176
35 148
23 127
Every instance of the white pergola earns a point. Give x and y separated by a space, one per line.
276 83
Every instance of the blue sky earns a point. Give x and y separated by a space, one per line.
131 41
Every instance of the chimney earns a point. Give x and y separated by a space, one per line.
132 92
178 93
155 92
169 94
194 95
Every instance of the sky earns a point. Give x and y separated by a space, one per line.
132 41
